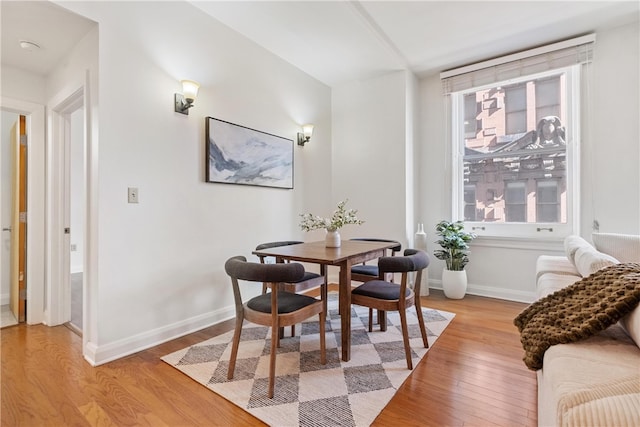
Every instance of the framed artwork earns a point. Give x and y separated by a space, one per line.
240 155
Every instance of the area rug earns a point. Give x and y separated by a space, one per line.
308 393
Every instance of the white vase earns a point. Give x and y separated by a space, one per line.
454 283
420 239
333 239
420 242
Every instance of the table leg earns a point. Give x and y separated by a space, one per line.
325 288
345 308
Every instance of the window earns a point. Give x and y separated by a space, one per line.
519 163
547 98
470 123
516 202
547 205
515 107
525 149
470 202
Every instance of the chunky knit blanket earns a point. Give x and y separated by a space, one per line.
578 311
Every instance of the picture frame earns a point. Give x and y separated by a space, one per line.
237 154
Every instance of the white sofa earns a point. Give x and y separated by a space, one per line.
594 382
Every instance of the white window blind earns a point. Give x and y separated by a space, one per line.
550 57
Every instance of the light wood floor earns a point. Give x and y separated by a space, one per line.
473 376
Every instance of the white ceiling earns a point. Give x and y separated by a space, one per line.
341 41
54 29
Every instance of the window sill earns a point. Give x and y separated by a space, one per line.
528 243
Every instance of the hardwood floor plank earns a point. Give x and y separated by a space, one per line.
473 375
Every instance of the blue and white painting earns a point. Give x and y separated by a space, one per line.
239 155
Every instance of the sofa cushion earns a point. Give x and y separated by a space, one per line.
581 381
623 247
588 261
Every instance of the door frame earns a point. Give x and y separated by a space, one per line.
77 91
58 254
35 272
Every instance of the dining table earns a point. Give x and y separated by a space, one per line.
349 253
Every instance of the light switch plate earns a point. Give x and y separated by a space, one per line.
133 195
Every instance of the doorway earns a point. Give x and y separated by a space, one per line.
74 185
13 166
67 208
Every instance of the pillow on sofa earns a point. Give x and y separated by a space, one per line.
588 261
572 244
623 247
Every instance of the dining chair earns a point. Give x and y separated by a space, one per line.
309 281
383 296
275 309
364 272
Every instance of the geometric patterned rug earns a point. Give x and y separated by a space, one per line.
308 393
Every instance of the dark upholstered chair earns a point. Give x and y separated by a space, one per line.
365 272
275 309
386 296
309 281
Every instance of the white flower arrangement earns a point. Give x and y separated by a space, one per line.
339 219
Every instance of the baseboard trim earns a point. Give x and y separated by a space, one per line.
491 292
100 354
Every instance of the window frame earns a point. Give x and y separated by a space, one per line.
533 230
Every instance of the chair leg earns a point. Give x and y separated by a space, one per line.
405 338
371 320
423 329
382 320
234 347
272 360
293 330
323 347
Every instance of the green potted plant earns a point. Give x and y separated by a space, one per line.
454 241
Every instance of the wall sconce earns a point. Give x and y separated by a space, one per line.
305 136
183 101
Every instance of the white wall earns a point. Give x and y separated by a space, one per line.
23 85
160 268
369 165
609 161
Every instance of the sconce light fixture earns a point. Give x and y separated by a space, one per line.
184 100
305 136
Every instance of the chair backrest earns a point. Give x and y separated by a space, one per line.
393 249
238 268
276 244
269 245
413 260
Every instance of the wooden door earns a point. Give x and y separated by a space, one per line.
18 299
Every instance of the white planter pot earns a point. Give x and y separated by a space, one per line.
454 283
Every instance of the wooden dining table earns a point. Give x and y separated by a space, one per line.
349 253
